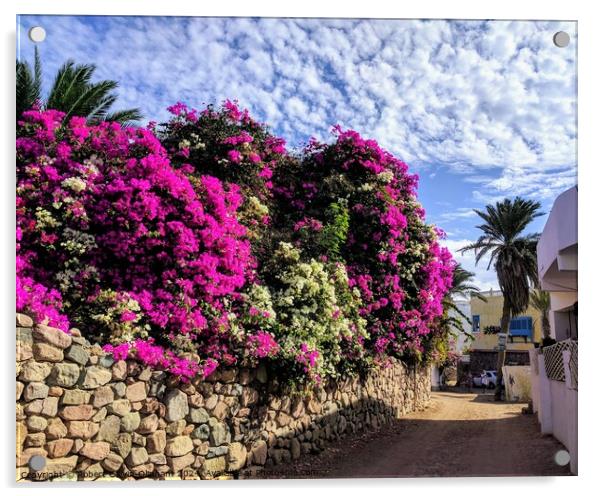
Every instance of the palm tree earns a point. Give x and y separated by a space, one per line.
540 300
513 256
72 92
29 85
461 287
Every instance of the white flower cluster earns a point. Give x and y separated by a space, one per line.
76 184
252 213
259 297
315 306
194 143
107 310
77 242
44 219
385 177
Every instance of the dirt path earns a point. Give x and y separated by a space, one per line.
460 434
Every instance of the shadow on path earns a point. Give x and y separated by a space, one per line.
460 434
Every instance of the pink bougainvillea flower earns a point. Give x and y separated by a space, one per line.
234 156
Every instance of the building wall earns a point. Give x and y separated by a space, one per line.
563 325
92 417
563 321
557 246
490 312
557 257
462 341
487 360
489 342
555 403
562 300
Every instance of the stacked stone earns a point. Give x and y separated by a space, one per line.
95 418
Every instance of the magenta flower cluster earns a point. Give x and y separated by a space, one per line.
392 256
262 345
158 357
224 142
159 243
101 208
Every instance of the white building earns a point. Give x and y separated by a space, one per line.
464 306
554 385
557 264
462 341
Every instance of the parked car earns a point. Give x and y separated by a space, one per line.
488 379
477 381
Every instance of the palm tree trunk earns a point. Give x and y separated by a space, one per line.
501 357
545 324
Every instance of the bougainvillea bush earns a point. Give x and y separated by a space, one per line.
317 319
227 143
203 242
354 202
134 251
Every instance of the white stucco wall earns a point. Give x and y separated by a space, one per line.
555 403
556 249
464 306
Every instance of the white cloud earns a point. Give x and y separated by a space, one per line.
494 101
484 279
459 213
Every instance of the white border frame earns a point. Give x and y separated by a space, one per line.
589 178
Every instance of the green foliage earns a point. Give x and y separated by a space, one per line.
105 311
334 233
512 254
492 329
72 92
453 317
540 300
29 84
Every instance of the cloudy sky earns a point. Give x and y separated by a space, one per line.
481 110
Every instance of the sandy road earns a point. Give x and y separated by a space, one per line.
460 434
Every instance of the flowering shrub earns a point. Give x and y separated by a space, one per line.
157 356
227 143
214 246
262 345
132 247
42 303
317 322
355 202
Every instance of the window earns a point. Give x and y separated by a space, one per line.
521 326
476 323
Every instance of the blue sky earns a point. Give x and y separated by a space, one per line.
481 110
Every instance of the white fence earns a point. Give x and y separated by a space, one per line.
554 393
517 381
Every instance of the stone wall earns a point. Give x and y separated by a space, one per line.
91 417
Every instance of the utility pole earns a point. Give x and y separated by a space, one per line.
501 359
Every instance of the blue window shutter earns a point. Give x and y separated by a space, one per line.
521 326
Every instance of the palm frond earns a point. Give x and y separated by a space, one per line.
93 100
59 85
511 253
540 300
73 92
125 117
28 84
